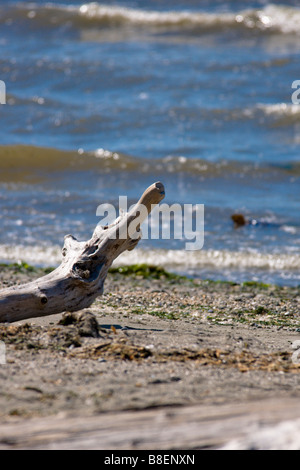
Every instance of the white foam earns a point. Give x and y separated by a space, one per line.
280 109
283 19
177 259
274 18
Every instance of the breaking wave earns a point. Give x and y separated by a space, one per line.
280 114
271 18
218 263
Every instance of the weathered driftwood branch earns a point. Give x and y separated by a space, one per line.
80 277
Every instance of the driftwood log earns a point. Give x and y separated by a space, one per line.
251 425
79 279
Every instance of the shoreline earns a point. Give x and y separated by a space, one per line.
255 303
153 339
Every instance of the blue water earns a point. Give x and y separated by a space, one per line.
162 85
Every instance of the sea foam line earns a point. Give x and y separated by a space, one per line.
177 259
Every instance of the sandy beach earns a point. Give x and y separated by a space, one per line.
152 340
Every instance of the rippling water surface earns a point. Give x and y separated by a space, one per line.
104 99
